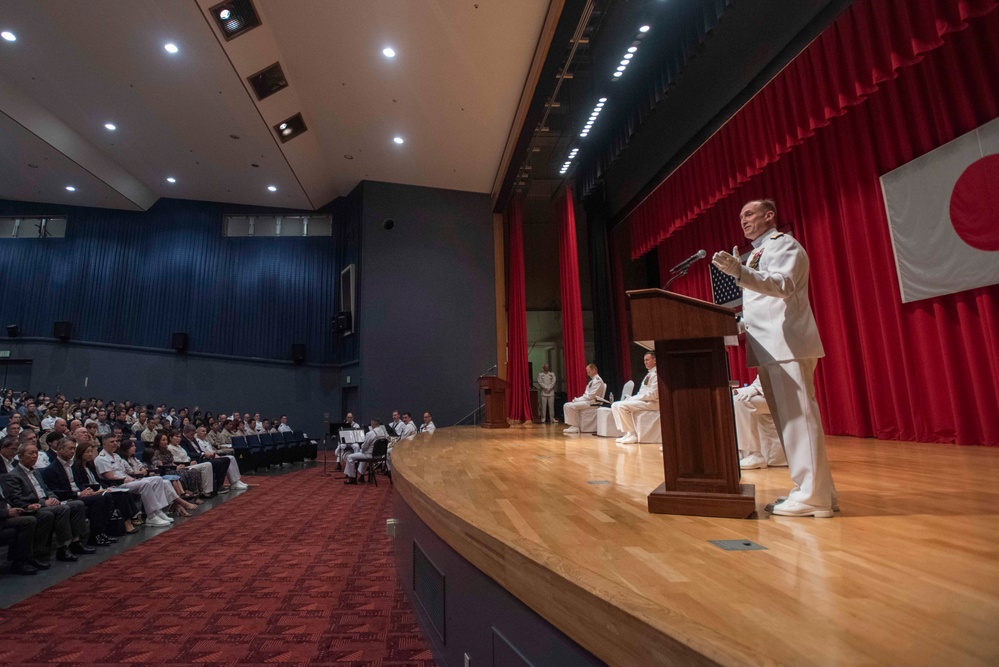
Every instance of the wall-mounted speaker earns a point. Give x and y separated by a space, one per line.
62 330
298 353
13 331
178 341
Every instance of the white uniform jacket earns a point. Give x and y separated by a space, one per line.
648 391
595 390
779 321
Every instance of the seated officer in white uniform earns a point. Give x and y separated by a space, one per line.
646 400
428 425
156 493
377 432
759 444
595 389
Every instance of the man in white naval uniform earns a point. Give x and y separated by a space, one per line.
363 451
783 342
546 397
646 400
595 389
428 425
759 444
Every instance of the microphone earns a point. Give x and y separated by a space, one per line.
685 264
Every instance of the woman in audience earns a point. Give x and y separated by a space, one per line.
157 494
192 480
85 476
8 407
133 466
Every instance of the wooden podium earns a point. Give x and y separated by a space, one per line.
700 454
494 389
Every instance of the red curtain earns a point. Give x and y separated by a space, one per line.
518 401
617 248
572 307
866 46
925 371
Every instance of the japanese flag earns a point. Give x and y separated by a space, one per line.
943 213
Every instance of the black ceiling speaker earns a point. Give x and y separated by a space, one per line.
62 330
13 331
268 81
298 353
178 341
290 128
235 17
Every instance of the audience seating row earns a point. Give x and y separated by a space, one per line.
266 449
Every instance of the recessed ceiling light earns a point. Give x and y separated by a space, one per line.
600 105
644 28
171 179
225 14
286 131
71 188
632 49
620 68
272 188
110 126
282 126
388 52
602 100
398 140
8 35
618 73
624 62
171 47
629 56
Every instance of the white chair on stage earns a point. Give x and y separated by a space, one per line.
647 424
588 416
605 426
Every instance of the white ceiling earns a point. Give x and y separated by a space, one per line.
451 92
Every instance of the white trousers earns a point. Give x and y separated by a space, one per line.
232 474
155 493
755 428
789 387
571 412
546 403
207 478
343 449
352 467
624 412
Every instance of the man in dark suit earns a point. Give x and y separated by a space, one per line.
69 520
27 534
58 477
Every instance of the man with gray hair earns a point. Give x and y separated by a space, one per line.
224 467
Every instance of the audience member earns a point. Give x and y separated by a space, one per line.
428 424
29 548
362 452
157 493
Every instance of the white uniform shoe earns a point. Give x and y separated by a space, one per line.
629 439
571 429
794 508
156 522
239 486
753 462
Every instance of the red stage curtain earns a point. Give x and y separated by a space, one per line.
866 46
518 401
925 371
572 307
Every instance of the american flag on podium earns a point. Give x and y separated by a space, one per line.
724 291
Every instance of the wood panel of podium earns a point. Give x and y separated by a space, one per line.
700 454
494 389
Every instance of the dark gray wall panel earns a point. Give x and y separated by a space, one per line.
426 310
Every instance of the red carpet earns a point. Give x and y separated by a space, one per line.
296 571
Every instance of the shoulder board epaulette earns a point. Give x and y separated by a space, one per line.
777 235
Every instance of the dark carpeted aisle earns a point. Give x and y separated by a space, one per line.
298 570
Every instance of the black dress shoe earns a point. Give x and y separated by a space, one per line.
39 564
81 549
350 480
63 554
22 567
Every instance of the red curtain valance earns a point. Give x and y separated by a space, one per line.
864 47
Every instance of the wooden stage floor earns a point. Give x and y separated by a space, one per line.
906 574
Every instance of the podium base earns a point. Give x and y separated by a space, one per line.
723 505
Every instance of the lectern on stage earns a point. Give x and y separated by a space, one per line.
700 454
494 389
